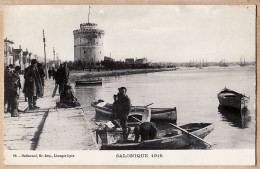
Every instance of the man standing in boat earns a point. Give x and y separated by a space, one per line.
122 111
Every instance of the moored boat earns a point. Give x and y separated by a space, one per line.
230 98
89 82
141 113
170 138
157 114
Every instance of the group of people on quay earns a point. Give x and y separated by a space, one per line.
120 111
33 87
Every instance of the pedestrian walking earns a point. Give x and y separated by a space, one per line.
42 76
33 87
53 73
50 72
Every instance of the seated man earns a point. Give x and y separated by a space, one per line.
68 98
147 130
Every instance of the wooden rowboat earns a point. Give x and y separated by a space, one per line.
232 99
89 82
141 113
170 138
157 114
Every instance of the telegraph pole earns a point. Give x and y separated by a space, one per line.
54 57
89 13
45 56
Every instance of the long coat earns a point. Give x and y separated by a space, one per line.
33 85
123 107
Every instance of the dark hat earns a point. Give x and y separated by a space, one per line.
11 66
17 68
122 88
33 61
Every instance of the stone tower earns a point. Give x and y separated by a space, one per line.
88 43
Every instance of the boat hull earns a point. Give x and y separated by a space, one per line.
157 114
179 141
88 82
140 113
232 100
164 114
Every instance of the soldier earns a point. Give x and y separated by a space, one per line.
14 91
33 86
123 108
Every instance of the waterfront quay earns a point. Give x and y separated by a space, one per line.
92 74
47 128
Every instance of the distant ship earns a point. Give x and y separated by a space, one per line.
223 64
243 63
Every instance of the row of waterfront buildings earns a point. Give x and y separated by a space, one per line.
22 58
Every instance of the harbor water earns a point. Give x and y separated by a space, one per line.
193 92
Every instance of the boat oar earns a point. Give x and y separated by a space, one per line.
185 131
148 105
136 119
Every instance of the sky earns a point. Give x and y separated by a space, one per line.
162 33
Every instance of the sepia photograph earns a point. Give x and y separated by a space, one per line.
163 79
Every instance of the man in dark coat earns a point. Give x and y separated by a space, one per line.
58 78
14 91
53 73
33 87
65 74
7 76
42 75
50 72
147 130
123 109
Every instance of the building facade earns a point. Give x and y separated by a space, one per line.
88 43
130 61
18 55
141 61
8 52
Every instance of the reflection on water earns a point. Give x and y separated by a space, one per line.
236 118
193 93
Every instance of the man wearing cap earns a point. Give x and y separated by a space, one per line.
33 86
123 110
14 91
